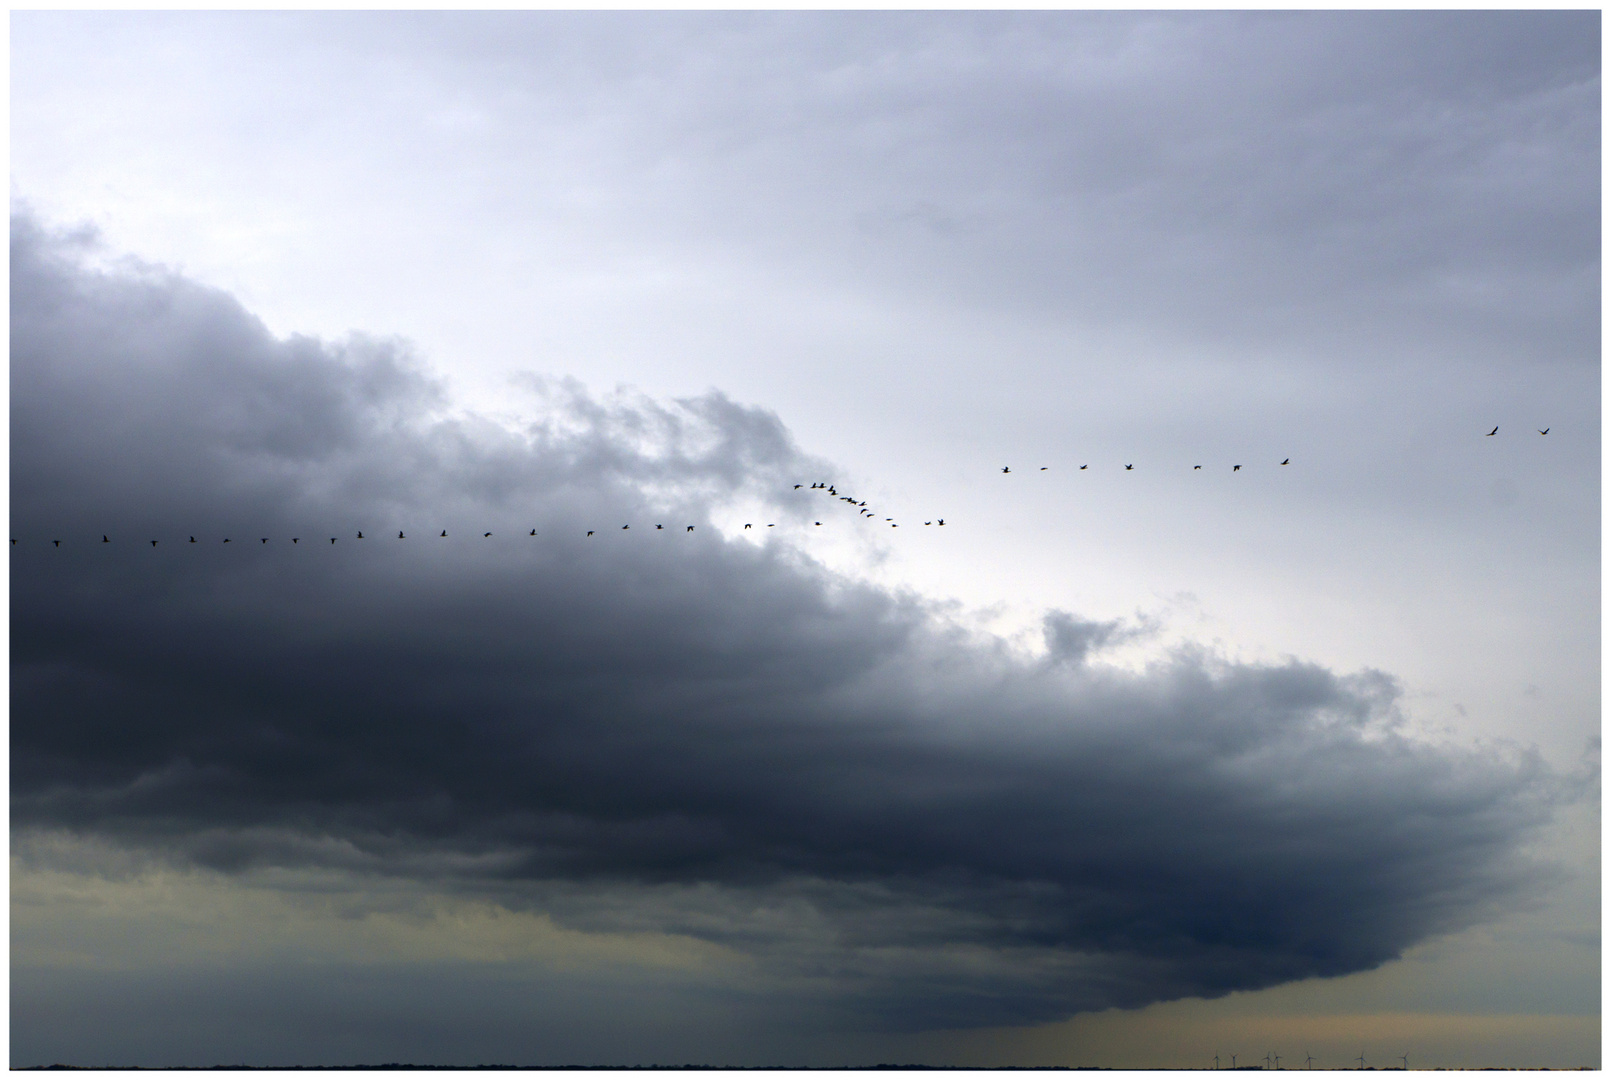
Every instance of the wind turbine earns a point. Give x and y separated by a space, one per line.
1308 1061
1362 1059
1278 1061
1233 1061
1216 1061
1405 1058
1266 1060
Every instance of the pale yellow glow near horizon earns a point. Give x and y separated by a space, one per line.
1187 1035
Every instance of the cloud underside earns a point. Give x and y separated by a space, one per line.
667 731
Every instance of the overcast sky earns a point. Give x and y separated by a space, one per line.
1320 736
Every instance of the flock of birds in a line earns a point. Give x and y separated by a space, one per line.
861 507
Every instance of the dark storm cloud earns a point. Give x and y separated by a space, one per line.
658 729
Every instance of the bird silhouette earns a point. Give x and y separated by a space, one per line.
1005 469
941 521
58 543
1127 468
332 539
1495 431
1544 432
360 536
400 535
485 535
772 525
1043 468
265 540
444 533
626 526
928 523
226 539
1197 466
1236 468
104 540
153 543
1084 467
815 523
590 532
534 532
294 539
746 524
1286 461
797 487
690 528
192 539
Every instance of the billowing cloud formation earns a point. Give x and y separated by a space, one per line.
657 729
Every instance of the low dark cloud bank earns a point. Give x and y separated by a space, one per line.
658 729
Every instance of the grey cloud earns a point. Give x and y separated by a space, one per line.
902 823
1250 176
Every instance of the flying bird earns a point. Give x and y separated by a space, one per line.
226 539
58 543
626 526
797 487
399 535
746 524
1286 461
590 532
690 528
294 539
818 523
1544 432
928 523
485 535
941 521
1495 431
1236 468
1127 468
360 536
534 532
265 540
192 539
1005 469
332 539
1043 468
1197 466
104 540
444 532
153 543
